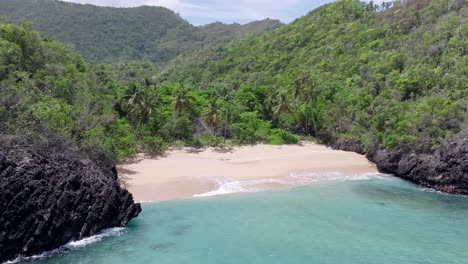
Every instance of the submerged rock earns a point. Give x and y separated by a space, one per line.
47 201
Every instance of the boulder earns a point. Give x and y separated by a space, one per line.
48 201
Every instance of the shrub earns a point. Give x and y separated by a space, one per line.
210 140
153 145
178 129
280 137
119 140
250 129
196 143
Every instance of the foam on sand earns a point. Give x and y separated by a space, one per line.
295 179
185 173
242 187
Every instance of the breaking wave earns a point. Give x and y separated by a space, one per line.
72 245
295 179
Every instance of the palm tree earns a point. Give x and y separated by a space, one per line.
225 94
141 103
282 103
279 102
182 100
305 92
211 114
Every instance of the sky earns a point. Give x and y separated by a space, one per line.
200 12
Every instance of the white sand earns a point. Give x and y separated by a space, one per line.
184 173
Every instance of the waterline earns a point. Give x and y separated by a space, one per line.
378 220
117 231
295 179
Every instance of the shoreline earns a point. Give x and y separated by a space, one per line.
187 173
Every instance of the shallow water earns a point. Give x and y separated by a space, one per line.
382 220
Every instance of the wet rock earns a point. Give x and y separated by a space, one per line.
47 201
445 170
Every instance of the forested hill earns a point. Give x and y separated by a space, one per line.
392 83
105 34
220 31
350 71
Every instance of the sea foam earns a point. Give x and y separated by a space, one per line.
295 179
241 187
117 231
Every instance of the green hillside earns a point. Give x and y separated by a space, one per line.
219 31
397 77
105 34
50 96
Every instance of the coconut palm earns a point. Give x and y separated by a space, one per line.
182 100
141 103
282 103
211 114
305 92
279 101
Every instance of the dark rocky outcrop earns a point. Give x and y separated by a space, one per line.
444 170
348 145
47 201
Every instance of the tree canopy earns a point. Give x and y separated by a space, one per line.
106 34
395 76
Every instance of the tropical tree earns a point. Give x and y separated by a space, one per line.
212 113
182 100
141 103
282 103
279 102
305 92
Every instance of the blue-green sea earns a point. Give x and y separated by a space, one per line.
374 221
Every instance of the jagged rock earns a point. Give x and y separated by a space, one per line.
445 170
48 201
348 145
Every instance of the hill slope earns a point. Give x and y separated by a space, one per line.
105 34
55 116
392 84
397 78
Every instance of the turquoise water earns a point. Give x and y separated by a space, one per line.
374 221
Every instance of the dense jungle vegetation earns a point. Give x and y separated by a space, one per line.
106 34
394 75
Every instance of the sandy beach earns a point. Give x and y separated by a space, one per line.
188 172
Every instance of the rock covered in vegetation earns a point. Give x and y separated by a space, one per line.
47 201
445 170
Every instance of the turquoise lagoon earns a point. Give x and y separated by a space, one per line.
373 221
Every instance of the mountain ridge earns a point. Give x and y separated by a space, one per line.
110 34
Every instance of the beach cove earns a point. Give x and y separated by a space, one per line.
274 204
189 172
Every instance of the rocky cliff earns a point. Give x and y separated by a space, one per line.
47 201
444 170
